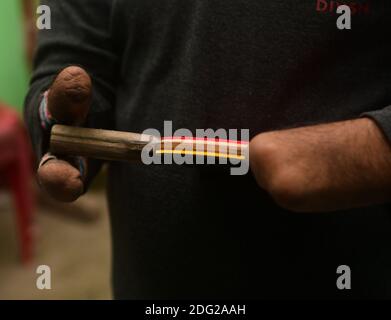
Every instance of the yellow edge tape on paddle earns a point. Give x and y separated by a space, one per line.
202 153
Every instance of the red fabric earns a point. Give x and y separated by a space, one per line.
16 173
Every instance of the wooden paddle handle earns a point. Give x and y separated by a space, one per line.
97 143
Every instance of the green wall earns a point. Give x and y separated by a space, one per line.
13 65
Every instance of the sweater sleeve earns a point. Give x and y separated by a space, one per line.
383 119
81 34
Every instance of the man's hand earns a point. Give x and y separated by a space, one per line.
324 168
69 100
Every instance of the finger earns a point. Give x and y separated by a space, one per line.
69 97
260 153
62 179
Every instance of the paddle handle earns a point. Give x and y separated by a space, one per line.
97 143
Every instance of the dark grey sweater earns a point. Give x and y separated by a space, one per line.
196 232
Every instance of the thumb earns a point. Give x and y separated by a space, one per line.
69 97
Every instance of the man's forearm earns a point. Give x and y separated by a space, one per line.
326 167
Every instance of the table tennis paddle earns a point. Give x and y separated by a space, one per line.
127 146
